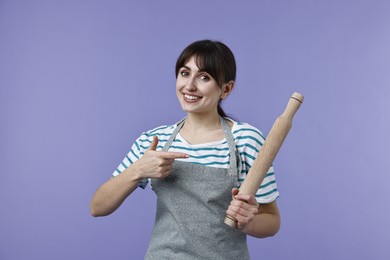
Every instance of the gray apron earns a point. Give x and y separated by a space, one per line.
191 206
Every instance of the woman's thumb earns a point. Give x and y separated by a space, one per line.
154 143
234 192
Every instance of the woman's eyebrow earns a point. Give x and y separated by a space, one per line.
188 68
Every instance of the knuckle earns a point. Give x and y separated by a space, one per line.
234 202
240 203
163 174
237 210
231 212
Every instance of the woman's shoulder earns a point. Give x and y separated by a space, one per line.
162 132
159 131
242 129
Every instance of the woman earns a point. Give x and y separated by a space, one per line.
195 167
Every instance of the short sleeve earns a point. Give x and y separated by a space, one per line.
251 140
136 151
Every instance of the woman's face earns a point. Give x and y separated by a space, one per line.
196 90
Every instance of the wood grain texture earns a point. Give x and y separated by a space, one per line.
269 150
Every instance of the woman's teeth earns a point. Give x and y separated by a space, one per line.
191 97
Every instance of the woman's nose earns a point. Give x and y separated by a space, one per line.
191 84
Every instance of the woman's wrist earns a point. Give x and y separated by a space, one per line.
134 173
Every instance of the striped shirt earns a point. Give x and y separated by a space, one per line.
248 141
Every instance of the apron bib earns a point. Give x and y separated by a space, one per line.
191 206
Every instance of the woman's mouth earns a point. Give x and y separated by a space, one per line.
191 98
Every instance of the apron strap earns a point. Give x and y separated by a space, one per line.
232 146
179 125
234 167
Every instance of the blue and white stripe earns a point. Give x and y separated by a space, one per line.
215 154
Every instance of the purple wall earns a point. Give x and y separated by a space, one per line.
80 80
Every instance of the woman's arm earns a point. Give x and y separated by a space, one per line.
266 223
153 164
254 219
109 196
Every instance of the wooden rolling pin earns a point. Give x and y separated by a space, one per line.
268 151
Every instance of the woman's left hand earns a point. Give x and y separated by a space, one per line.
243 208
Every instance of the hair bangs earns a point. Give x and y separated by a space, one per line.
206 62
206 59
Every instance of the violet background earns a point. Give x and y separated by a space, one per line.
80 80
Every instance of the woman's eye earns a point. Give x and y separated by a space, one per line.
184 73
204 77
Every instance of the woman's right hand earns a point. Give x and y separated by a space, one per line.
153 164
156 164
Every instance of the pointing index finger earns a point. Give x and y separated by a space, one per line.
173 155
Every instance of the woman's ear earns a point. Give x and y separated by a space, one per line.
226 89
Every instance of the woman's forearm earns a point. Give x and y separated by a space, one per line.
153 164
109 196
263 225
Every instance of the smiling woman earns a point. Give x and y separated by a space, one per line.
195 167
213 61
197 90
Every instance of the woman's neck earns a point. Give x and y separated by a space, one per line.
199 129
196 122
